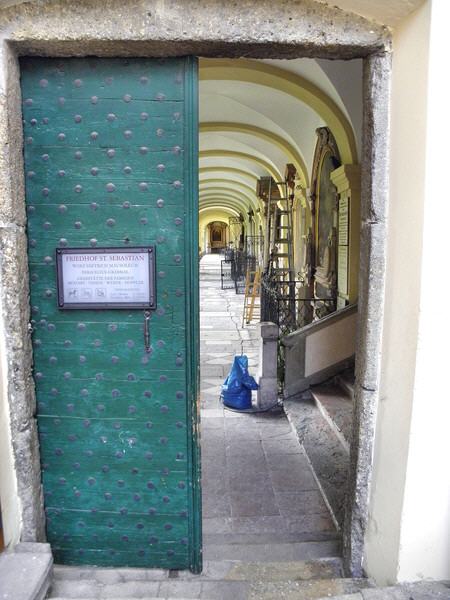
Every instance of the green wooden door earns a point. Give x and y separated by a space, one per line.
111 160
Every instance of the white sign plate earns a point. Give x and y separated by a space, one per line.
103 278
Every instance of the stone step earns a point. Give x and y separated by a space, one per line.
269 538
336 407
327 455
25 573
220 580
287 551
346 381
255 589
231 570
419 590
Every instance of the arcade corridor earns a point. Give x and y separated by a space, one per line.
260 500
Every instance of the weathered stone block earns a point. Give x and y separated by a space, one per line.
26 573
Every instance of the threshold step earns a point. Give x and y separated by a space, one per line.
293 551
346 381
337 409
327 456
253 580
272 538
25 573
231 570
243 589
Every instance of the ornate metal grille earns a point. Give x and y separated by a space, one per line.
281 304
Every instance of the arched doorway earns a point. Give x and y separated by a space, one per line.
217 234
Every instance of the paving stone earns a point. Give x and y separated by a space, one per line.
305 590
420 590
131 589
225 590
249 504
74 573
246 464
287 461
180 589
286 446
249 481
288 480
213 370
216 525
220 507
286 571
242 434
214 415
259 524
112 576
310 523
85 588
127 574
300 503
252 448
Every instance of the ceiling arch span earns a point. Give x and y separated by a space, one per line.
229 181
213 209
238 203
231 170
258 73
231 185
292 153
212 205
247 201
215 163
219 153
214 194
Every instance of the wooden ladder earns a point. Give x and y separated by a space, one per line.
252 305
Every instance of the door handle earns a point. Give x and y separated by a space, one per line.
147 315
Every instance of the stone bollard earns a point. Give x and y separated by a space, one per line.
267 374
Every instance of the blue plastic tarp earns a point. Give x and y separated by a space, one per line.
237 387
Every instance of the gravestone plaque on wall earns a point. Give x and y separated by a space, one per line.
90 278
343 222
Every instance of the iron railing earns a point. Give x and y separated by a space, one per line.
234 269
281 304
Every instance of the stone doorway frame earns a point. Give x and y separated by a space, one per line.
311 30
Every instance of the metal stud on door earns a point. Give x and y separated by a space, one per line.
110 161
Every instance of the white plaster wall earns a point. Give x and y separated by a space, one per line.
425 531
330 345
408 534
346 78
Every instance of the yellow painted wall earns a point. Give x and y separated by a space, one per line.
206 217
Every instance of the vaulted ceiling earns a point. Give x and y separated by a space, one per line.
256 116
